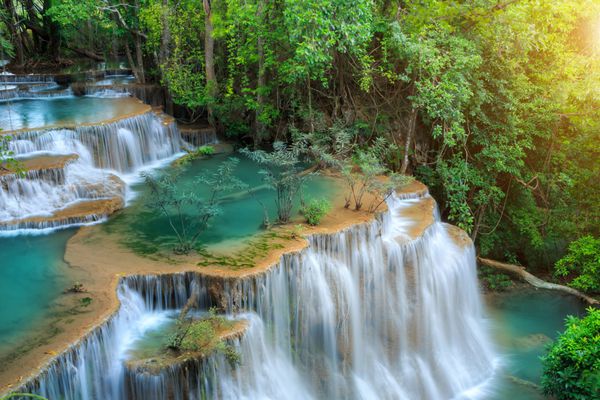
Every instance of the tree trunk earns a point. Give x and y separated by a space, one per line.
53 32
410 133
140 59
16 38
261 81
134 69
517 270
209 59
31 14
164 54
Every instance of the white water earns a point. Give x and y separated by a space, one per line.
355 316
119 149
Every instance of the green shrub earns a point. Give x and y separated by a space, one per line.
202 151
583 261
572 365
315 210
205 150
493 280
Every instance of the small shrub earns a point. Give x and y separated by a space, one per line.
494 281
205 150
202 151
86 301
572 365
76 288
315 210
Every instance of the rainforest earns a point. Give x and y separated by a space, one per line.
299 199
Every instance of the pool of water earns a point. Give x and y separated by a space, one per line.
241 217
523 323
70 110
32 277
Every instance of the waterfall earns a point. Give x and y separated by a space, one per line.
359 314
151 140
106 155
26 78
40 91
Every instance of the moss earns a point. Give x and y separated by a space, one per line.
253 250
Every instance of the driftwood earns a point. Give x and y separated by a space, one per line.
520 272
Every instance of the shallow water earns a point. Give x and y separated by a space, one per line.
241 216
32 277
523 323
69 110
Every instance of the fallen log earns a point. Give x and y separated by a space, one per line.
520 272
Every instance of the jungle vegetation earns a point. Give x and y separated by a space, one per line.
494 104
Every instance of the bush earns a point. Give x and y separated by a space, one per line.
200 152
572 365
583 260
493 280
315 210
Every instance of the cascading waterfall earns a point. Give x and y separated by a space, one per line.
107 153
360 314
149 140
40 91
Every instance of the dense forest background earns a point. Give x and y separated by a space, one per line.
495 104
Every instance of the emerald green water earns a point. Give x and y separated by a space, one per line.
241 216
37 113
32 277
524 322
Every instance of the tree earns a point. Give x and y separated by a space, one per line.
366 174
282 173
189 215
572 365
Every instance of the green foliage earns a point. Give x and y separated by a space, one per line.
7 160
360 176
86 301
200 152
572 365
315 210
493 105
493 280
282 173
254 249
189 215
366 174
203 336
583 261
17 396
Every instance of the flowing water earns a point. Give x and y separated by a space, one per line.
107 157
356 315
